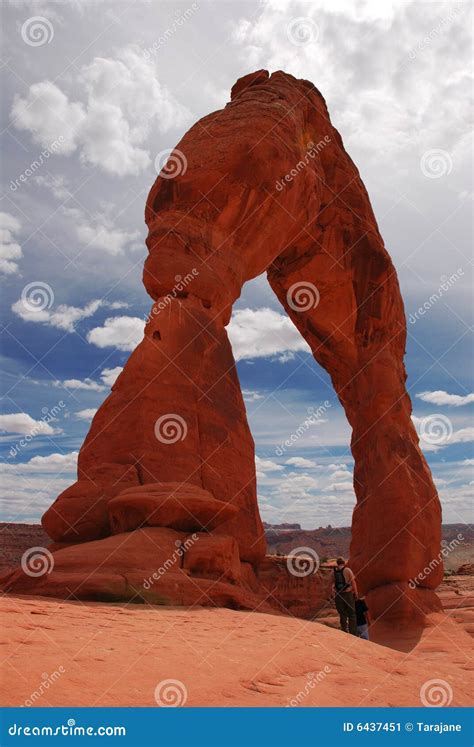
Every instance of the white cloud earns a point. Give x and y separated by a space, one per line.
340 486
263 332
102 235
443 398
121 332
340 474
86 383
86 414
123 100
109 375
9 248
251 396
56 184
62 317
267 465
301 462
24 424
30 487
52 463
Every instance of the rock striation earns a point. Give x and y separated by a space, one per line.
264 185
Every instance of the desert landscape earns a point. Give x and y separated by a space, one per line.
237 468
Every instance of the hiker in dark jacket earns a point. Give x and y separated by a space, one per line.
363 619
345 590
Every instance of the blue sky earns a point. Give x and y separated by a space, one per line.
94 92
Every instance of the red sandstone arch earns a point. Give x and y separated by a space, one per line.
223 219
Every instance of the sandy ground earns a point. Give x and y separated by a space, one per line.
92 654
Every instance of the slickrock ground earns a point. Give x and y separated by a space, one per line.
116 655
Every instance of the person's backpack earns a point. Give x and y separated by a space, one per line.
340 583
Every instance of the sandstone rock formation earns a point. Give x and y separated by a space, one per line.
263 185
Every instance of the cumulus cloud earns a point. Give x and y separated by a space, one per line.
121 332
122 100
10 250
30 487
23 424
267 465
87 384
62 317
259 333
86 414
52 463
441 397
109 375
99 232
301 462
